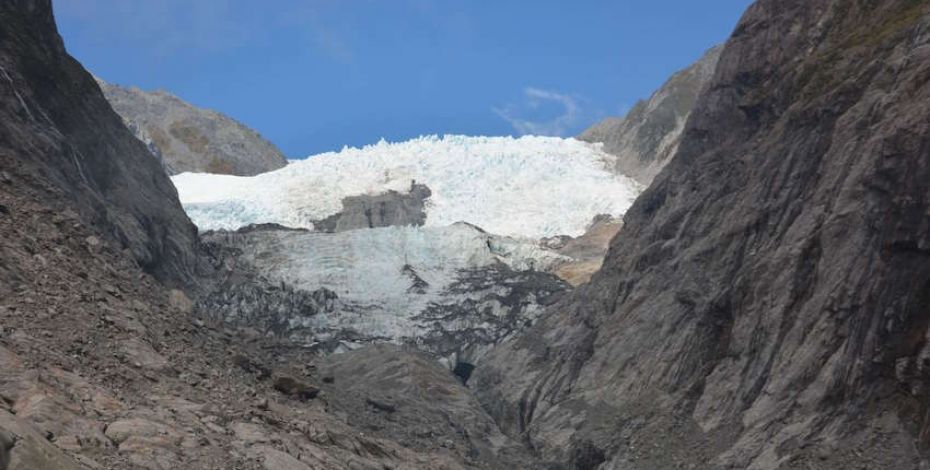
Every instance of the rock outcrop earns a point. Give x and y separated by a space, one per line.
401 395
187 138
584 254
646 138
387 209
58 133
766 304
7 441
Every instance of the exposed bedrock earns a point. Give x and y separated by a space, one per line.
379 210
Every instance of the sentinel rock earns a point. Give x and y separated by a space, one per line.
766 303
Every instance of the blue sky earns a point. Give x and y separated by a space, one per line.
314 75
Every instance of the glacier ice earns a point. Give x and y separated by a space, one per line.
524 187
449 290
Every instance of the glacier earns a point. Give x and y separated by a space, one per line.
452 291
529 186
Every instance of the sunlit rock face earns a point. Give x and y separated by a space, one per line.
184 137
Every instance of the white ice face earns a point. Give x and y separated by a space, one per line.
524 187
372 271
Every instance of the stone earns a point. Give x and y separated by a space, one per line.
250 433
381 210
381 405
141 355
295 388
647 137
151 432
274 459
7 441
178 300
31 449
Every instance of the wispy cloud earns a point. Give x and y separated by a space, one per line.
527 117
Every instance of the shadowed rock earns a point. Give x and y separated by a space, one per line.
58 131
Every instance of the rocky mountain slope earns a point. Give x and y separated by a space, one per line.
187 138
101 366
648 136
766 304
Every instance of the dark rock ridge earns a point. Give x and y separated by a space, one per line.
191 139
646 138
57 131
766 304
381 210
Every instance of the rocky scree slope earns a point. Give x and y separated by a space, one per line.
101 367
766 304
646 138
187 138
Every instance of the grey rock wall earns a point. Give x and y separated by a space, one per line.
766 304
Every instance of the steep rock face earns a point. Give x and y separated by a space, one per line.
766 303
56 129
646 138
188 138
